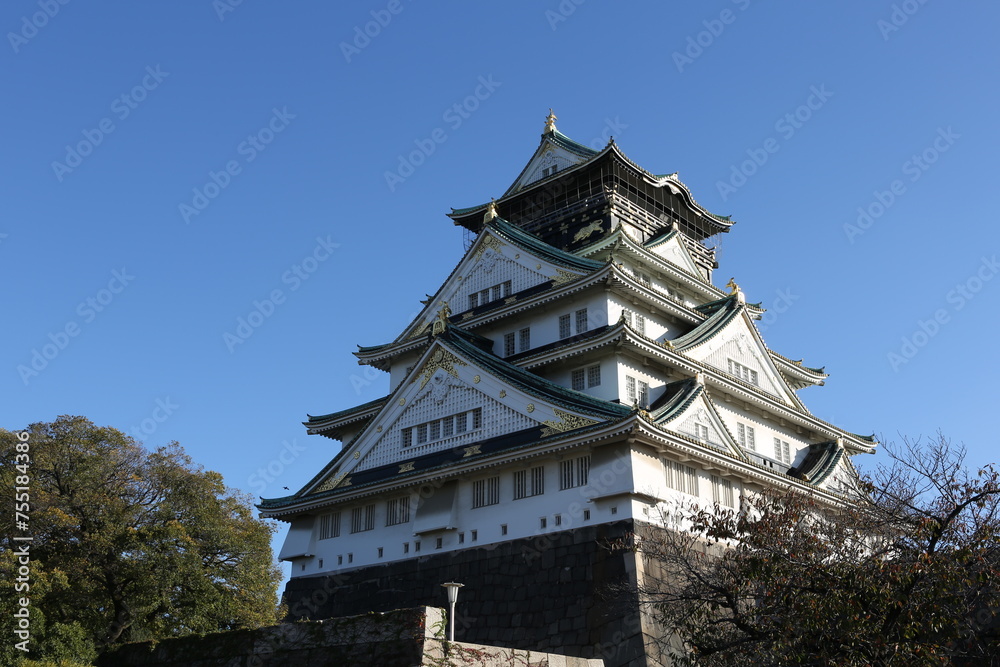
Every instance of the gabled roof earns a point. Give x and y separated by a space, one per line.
820 461
330 425
581 157
496 234
566 409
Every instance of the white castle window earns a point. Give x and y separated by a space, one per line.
701 431
722 492
494 293
782 452
363 519
529 483
522 339
574 472
548 171
486 492
581 320
438 429
681 477
636 391
565 330
329 526
636 321
585 378
742 372
745 436
397 511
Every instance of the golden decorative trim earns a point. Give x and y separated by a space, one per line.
467 316
476 380
445 361
566 422
378 429
587 231
509 300
530 408
346 482
538 266
406 467
562 277
357 455
503 393
490 242
402 401
471 451
331 482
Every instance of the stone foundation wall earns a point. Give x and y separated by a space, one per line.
401 638
551 593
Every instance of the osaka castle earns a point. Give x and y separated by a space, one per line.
580 372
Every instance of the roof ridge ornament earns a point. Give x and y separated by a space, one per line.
550 122
734 290
491 212
441 323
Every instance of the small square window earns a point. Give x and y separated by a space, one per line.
475 535
439 543
340 560
503 529
543 522
321 562
461 538
558 518
380 552
350 558
586 515
406 547
614 510
416 547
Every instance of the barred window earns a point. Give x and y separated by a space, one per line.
442 428
585 378
508 344
329 526
701 432
486 492
681 477
745 436
564 326
742 372
397 511
782 452
363 519
524 339
636 392
529 483
581 320
722 492
574 472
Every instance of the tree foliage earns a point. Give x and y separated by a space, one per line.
905 571
131 545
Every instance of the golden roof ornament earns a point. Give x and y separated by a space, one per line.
442 319
491 212
550 122
733 287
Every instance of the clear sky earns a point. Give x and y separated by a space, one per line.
170 169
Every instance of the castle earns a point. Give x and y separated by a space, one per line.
578 373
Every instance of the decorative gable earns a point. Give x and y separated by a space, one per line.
556 153
700 421
737 349
672 249
447 402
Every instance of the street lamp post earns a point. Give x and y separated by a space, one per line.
452 599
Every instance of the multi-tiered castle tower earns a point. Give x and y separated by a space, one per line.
578 372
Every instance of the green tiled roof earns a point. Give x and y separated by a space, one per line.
535 245
345 413
723 312
561 140
675 399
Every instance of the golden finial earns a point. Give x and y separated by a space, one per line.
733 287
491 212
550 122
442 319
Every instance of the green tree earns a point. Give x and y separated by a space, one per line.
904 571
130 545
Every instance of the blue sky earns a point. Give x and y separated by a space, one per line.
170 168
